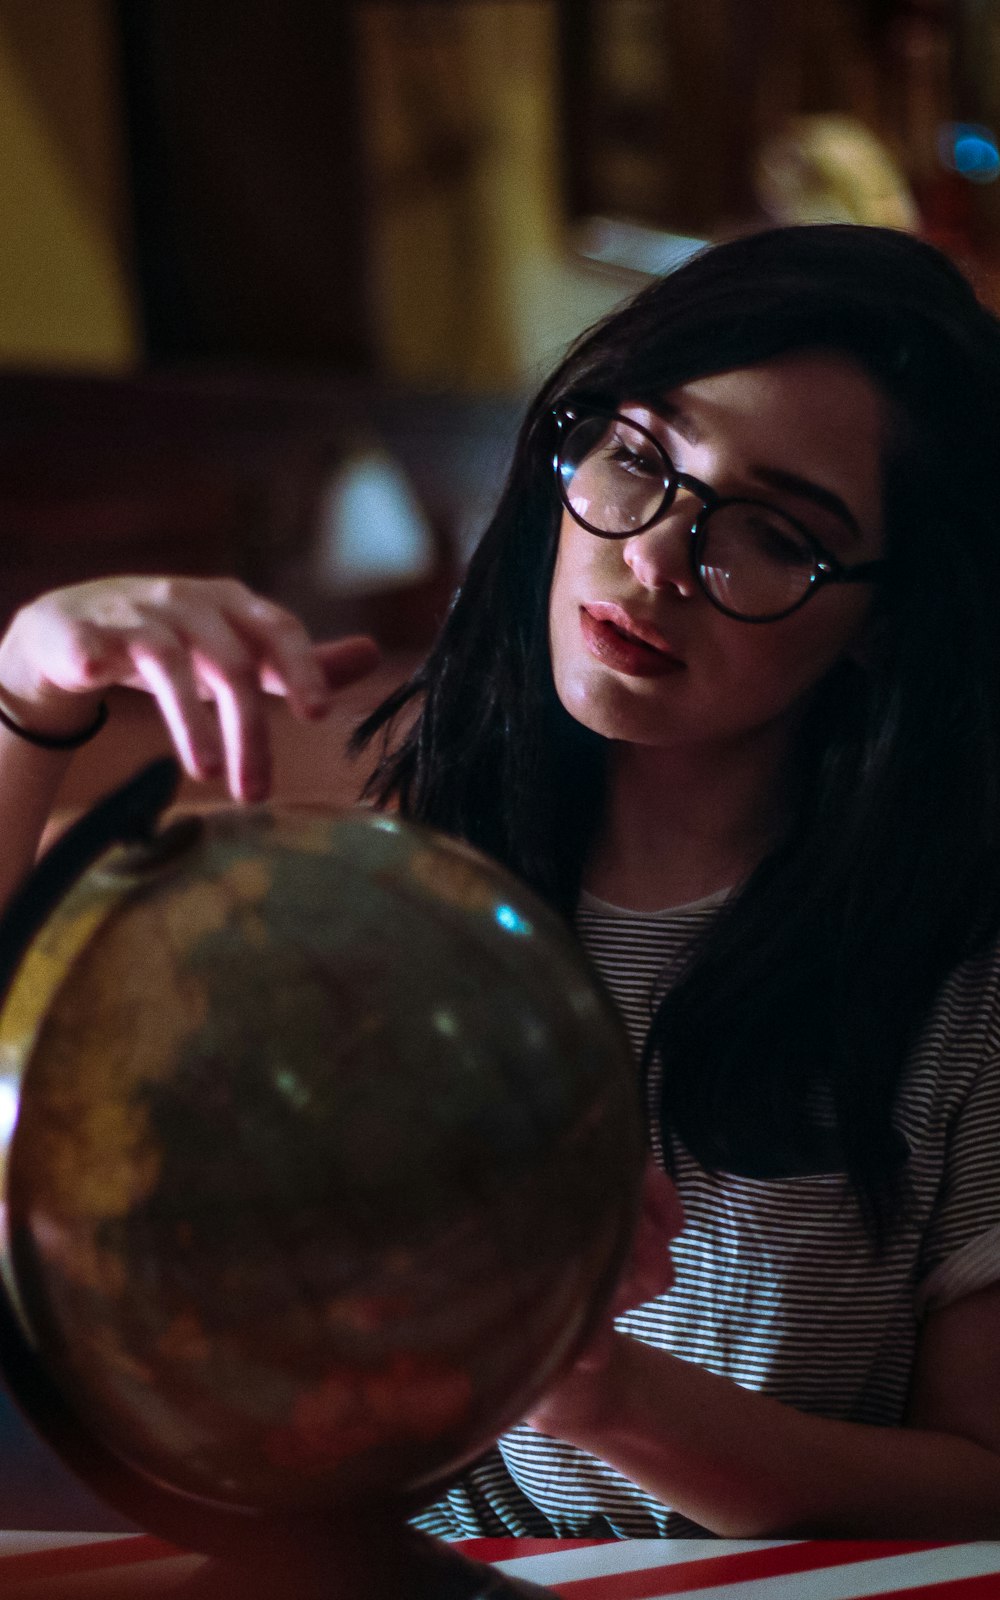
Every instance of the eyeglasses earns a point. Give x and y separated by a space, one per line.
750 559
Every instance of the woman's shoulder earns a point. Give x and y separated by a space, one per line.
964 1017
949 1112
954 1060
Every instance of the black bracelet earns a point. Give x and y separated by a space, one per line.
58 741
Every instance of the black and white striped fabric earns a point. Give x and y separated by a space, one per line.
777 1286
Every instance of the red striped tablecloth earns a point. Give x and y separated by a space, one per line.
98 1565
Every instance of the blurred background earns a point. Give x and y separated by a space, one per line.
276 275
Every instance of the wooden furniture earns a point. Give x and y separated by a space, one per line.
223 472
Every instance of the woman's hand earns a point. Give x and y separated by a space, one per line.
585 1390
207 650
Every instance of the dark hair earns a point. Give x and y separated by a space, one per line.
817 975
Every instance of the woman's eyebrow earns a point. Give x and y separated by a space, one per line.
681 421
776 478
685 424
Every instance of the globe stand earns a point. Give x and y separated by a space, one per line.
366 1552
376 1560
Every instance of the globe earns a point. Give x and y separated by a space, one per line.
322 1153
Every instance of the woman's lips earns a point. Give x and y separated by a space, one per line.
625 645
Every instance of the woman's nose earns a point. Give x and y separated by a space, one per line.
660 557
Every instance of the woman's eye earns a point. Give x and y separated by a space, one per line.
781 547
642 464
778 544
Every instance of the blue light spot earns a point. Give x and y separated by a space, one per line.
509 919
977 158
970 149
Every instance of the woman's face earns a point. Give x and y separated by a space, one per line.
639 653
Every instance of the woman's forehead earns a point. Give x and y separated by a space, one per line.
813 416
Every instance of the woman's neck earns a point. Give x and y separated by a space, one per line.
682 824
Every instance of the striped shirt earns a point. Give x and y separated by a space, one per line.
777 1286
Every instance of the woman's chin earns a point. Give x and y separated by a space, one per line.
622 709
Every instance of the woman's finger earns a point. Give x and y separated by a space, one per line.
346 661
650 1272
340 662
223 666
160 663
287 664
243 726
227 669
644 1281
660 1201
290 664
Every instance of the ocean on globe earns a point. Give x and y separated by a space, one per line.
326 1155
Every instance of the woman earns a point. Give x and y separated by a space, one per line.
723 682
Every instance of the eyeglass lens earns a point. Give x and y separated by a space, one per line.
750 558
614 478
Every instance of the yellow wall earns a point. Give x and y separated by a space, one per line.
475 286
64 284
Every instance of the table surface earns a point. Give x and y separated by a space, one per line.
640 1569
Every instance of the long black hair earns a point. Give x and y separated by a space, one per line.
811 984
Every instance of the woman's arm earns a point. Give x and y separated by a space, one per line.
746 1466
207 650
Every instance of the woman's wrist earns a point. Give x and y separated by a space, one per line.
31 700
48 712
50 738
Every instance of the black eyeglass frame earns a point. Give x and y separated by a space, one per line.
827 568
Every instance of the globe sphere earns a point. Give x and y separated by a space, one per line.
326 1156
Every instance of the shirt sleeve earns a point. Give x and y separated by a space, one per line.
961 1245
